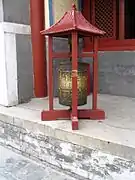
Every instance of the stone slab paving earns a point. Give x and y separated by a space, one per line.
114 135
17 167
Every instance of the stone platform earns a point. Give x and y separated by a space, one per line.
93 146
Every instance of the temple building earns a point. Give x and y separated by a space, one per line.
24 58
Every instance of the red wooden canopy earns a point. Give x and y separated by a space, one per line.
73 23
73 20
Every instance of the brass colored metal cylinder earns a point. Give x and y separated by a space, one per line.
65 83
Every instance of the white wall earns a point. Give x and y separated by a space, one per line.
3 80
1 11
8 54
46 6
61 6
8 62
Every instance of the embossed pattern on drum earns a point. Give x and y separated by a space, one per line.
65 84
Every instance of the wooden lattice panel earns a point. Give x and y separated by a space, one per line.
104 16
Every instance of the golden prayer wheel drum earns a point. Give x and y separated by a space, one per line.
65 83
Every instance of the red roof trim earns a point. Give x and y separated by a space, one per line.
73 20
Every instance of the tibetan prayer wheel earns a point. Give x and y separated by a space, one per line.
73 80
65 83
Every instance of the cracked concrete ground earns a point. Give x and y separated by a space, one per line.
17 167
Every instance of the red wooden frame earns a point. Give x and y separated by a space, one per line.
74 114
52 115
109 44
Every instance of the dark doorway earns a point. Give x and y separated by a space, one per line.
130 19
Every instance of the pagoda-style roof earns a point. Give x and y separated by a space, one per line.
73 20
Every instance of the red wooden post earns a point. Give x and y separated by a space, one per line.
121 19
38 47
86 13
86 9
93 12
114 19
95 74
74 81
50 80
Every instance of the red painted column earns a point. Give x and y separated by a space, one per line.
38 47
50 81
121 19
95 74
86 9
93 12
87 14
74 81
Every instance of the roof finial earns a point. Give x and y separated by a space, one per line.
73 7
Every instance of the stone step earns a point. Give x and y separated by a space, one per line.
77 152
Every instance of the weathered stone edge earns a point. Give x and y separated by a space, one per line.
81 140
30 139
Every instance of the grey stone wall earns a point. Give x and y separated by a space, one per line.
24 67
116 71
16 11
83 162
